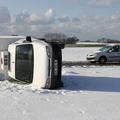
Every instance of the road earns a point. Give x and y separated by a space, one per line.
77 63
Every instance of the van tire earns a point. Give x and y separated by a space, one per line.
102 60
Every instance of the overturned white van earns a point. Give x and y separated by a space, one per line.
36 62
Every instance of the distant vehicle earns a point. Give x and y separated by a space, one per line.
34 61
108 53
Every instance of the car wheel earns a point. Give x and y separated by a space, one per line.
102 60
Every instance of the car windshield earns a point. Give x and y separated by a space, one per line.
105 48
24 63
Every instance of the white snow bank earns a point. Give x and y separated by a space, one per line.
92 78
77 54
89 93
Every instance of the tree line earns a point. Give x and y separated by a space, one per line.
61 38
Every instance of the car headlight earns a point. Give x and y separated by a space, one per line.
92 55
95 54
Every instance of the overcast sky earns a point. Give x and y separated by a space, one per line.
86 19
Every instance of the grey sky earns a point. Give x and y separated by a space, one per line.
86 19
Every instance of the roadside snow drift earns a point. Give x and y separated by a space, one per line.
89 93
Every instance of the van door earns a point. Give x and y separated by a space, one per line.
114 54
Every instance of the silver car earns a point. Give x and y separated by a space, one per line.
108 53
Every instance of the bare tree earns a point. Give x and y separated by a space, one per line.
56 37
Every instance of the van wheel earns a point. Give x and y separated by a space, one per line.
102 60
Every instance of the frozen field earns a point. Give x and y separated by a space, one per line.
89 93
77 54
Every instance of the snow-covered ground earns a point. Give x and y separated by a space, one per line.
77 53
89 93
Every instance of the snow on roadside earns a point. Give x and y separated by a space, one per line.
89 93
77 53
92 78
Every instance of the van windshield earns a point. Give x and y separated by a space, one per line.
105 48
24 63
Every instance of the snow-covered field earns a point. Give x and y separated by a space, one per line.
89 93
77 54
